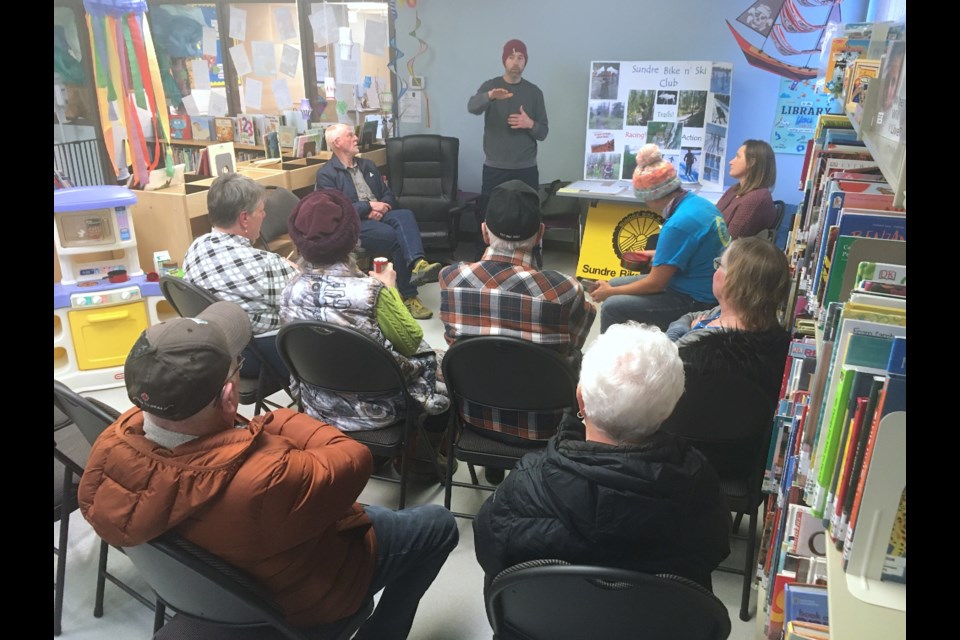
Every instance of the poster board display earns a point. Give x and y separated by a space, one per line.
682 106
621 227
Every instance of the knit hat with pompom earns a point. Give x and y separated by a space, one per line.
654 177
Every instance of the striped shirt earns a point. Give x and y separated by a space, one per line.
505 295
230 268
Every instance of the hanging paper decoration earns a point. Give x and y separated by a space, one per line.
127 77
410 63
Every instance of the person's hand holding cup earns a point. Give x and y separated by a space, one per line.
383 271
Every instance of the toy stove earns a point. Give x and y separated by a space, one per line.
97 317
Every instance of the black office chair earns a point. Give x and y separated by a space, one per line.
344 360
216 601
422 173
771 232
278 205
508 374
88 417
188 300
555 600
729 418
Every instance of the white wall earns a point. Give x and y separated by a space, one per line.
465 40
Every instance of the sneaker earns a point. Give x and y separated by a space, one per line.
416 308
423 272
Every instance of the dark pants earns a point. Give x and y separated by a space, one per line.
412 546
267 346
658 309
396 236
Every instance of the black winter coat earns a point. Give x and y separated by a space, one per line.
654 508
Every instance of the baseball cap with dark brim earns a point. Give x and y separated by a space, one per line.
178 367
513 211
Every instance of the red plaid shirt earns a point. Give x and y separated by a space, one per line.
505 295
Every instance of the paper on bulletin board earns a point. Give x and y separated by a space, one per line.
281 93
289 59
210 42
264 60
218 103
798 105
325 27
410 108
190 104
201 73
348 71
252 93
375 38
283 19
240 61
238 23
611 229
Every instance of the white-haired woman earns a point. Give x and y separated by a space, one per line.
613 490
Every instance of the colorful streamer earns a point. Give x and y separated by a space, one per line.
410 63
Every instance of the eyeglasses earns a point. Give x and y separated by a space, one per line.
717 263
240 360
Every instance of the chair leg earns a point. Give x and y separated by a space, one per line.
101 580
158 615
448 485
749 566
404 460
473 473
737 521
65 509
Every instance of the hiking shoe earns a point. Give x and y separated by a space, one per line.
416 308
423 272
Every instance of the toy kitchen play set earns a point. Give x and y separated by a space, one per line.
103 300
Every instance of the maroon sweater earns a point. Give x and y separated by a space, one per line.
749 214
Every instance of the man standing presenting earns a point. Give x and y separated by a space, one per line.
514 120
384 229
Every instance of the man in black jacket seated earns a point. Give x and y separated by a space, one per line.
613 490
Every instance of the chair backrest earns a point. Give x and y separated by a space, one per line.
337 358
509 373
770 233
186 298
422 174
279 204
729 418
553 600
90 416
200 585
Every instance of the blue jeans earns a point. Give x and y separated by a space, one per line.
396 236
267 345
412 546
658 309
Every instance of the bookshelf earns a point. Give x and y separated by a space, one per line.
831 455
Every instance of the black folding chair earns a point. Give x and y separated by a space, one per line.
189 300
88 417
508 374
555 600
216 601
344 360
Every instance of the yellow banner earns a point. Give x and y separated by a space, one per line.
613 229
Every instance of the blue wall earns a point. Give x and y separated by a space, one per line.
465 39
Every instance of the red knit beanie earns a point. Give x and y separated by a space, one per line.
324 226
514 45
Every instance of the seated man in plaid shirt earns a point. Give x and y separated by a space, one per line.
225 263
544 307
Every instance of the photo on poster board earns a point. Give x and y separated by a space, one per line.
671 104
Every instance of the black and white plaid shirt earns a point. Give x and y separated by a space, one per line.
230 268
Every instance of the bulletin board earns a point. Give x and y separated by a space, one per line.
683 107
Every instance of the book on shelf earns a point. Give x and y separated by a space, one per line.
806 603
881 272
849 252
853 462
776 612
224 129
830 121
204 128
180 128
895 563
271 144
246 129
799 630
222 157
857 78
891 87
305 146
839 386
287 136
